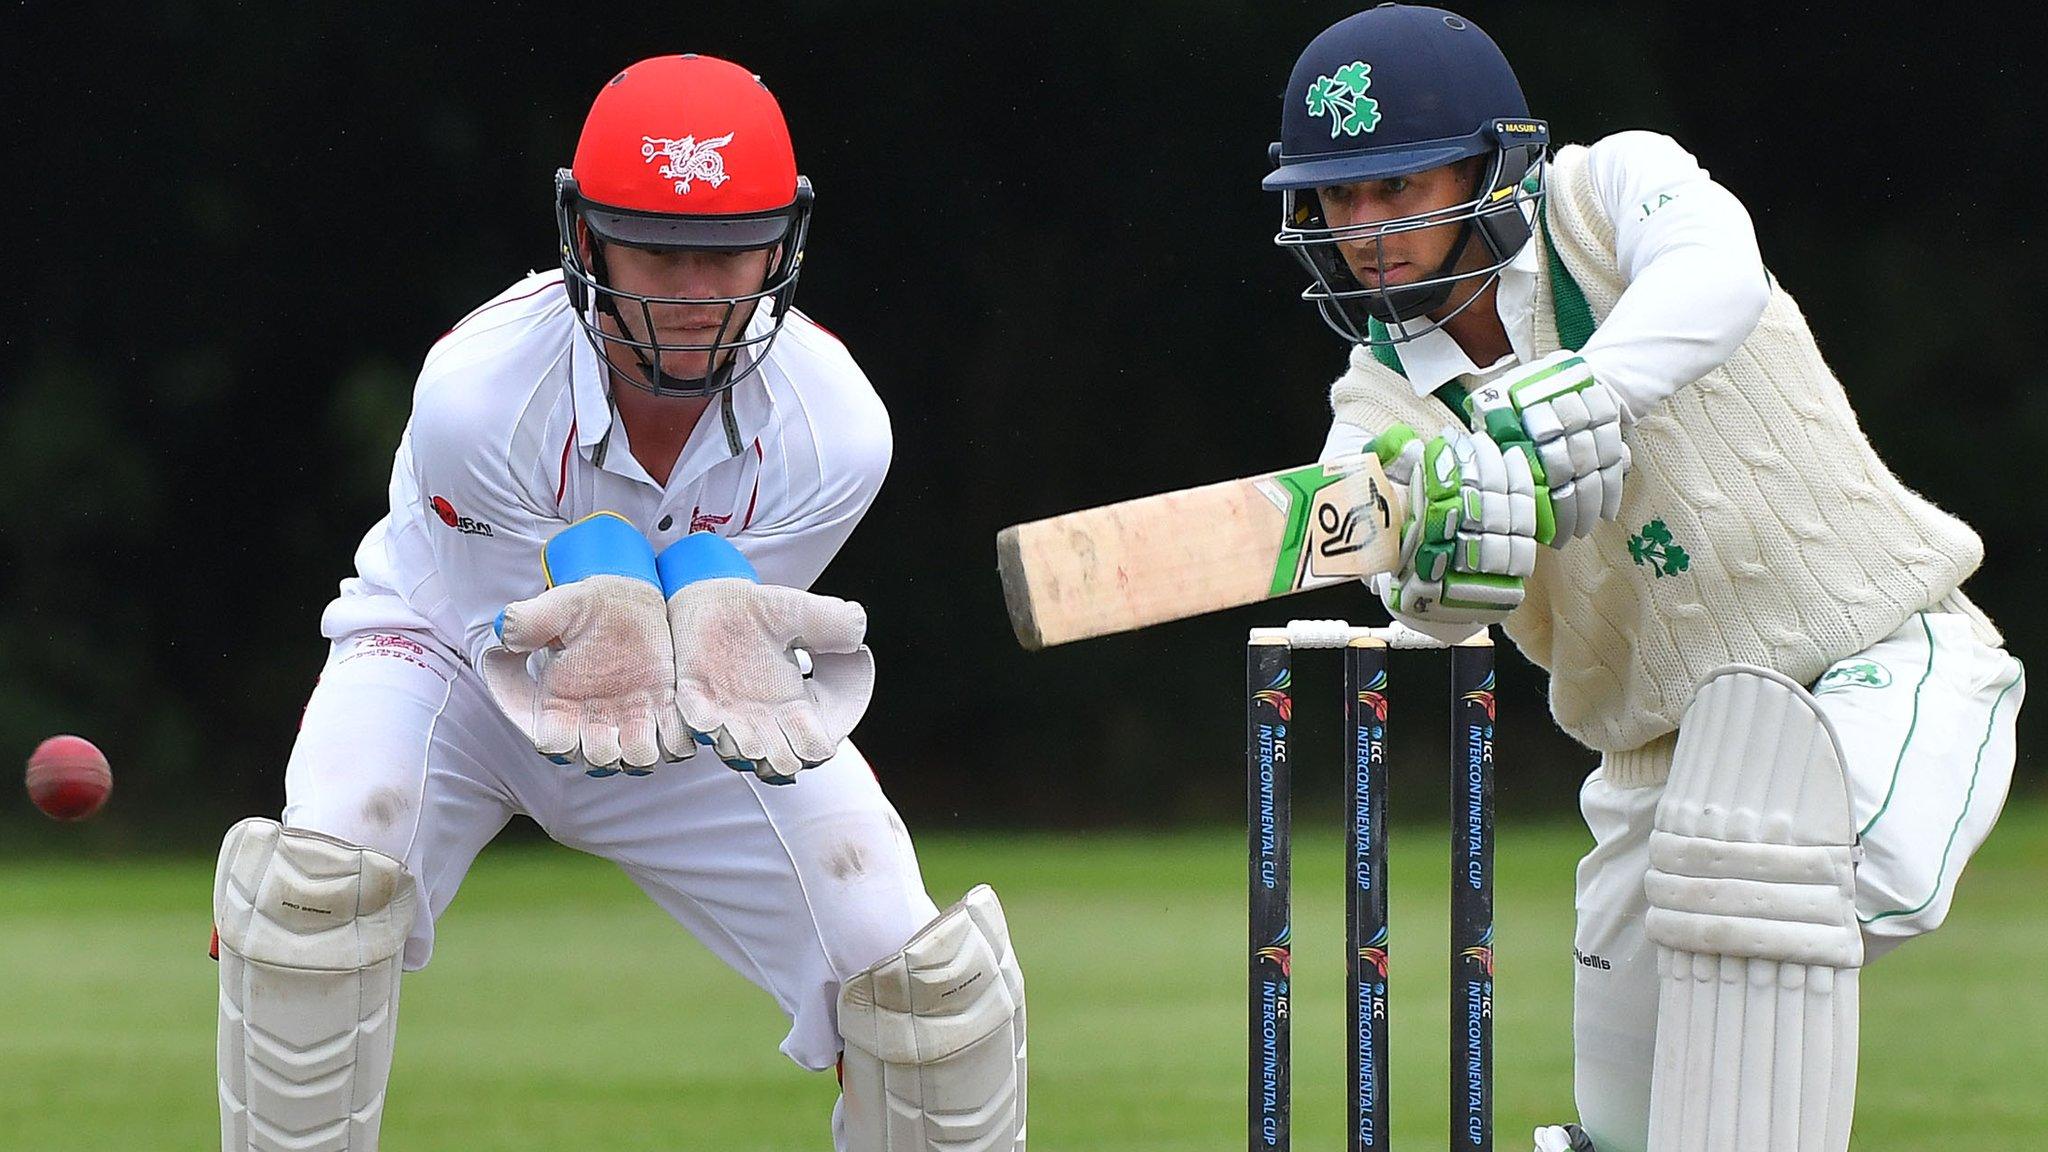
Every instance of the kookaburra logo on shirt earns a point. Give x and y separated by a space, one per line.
688 159
456 520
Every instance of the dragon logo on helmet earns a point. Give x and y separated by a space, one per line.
687 159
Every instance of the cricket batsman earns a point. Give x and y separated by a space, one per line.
587 605
1622 446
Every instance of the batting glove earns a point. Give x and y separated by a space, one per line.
1573 424
1475 516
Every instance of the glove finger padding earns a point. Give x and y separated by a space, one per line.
807 738
600 743
1399 450
1610 489
677 741
639 747
762 747
840 686
559 729
1435 511
1522 497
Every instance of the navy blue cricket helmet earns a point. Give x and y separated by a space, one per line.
1392 91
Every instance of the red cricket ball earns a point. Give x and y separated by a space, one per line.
68 778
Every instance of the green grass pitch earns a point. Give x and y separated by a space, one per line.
563 1010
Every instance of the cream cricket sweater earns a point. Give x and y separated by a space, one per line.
1757 523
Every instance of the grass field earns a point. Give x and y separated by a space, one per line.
563 1010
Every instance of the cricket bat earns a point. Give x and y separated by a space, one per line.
1181 554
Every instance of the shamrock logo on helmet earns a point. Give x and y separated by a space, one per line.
1343 98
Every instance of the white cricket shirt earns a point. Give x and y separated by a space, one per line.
512 438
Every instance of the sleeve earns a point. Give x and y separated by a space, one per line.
491 555
1344 440
1686 248
831 473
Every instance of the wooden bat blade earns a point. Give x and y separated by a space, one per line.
1181 554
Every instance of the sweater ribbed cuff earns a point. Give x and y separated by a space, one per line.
1645 767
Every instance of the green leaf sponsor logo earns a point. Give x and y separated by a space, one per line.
1854 674
1653 546
1342 98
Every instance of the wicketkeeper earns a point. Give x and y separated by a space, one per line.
587 606
1623 447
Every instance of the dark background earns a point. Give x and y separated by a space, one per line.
237 228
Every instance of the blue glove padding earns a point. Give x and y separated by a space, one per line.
605 544
701 556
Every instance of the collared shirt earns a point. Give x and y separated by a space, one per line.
1696 285
513 437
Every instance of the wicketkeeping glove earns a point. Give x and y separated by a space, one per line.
1573 423
602 682
772 678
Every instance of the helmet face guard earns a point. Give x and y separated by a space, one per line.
739 344
1500 211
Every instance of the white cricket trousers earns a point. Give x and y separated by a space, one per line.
796 887
1925 718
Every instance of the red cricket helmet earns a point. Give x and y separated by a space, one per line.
685 152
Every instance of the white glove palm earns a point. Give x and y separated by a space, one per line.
604 688
739 676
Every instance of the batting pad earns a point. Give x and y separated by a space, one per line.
310 932
1752 906
935 1040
